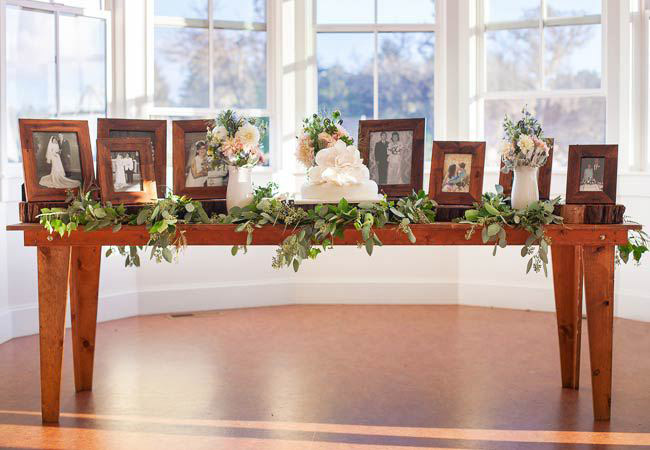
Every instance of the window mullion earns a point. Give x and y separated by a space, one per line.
57 63
375 71
211 99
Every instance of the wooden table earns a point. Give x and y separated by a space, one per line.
578 251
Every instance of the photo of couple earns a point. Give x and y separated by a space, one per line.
390 157
198 171
592 174
58 160
456 168
127 176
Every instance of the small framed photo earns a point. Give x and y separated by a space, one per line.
125 169
457 172
193 175
543 176
57 157
591 174
155 130
393 150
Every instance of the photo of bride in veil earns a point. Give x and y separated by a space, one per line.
58 161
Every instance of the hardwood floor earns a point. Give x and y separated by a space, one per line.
330 377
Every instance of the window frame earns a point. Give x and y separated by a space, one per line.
12 169
273 56
477 124
437 28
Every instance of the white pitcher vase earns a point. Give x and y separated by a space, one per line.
240 187
524 187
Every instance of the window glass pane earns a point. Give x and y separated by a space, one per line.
512 59
31 71
181 67
189 9
345 76
345 11
573 8
405 62
509 10
82 65
418 11
241 10
572 56
239 68
87 4
568 120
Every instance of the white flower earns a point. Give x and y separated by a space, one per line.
526 144
506 149
340 165
249 135
219 133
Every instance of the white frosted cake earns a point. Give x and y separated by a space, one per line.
339 173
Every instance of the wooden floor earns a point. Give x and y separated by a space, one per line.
330 377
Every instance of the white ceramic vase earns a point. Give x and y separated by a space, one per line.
524 187
240 187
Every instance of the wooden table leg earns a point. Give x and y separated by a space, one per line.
53 270
567 282
84 290
599 295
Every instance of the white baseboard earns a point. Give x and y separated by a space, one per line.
22 321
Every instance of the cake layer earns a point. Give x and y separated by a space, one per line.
329 192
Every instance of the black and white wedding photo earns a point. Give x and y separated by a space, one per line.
127 176
390 156
58 163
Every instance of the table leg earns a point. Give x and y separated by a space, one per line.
599 290
84 290
53 270
567 282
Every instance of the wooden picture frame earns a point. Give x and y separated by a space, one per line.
141 146
183 132
156 130
444 150
368 131
543 177
36 164
587 182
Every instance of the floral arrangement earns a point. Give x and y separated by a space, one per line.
235 140
320 132
523 143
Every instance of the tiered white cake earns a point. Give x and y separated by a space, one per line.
339 173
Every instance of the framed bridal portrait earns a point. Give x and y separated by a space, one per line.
155 130
543 175
193 175
126 171
393 150
592 174
457 172
57 158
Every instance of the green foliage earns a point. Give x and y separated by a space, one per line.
495 216
527 125
233 122
317 124
637 244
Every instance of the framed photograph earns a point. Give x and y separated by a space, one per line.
591 174
193 175
393 150
457 172
57 157
543 176
125 168
155 130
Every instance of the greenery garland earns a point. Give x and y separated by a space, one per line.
314 230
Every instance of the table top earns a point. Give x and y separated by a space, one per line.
430 234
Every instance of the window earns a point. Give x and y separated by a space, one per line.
376 60
55 65
210 55
546 54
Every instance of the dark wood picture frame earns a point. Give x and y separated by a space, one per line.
576 153
179 129
33 190
543 177
106 146
442 148
417 153
159 143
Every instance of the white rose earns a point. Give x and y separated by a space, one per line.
526 144
220 133
249 135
